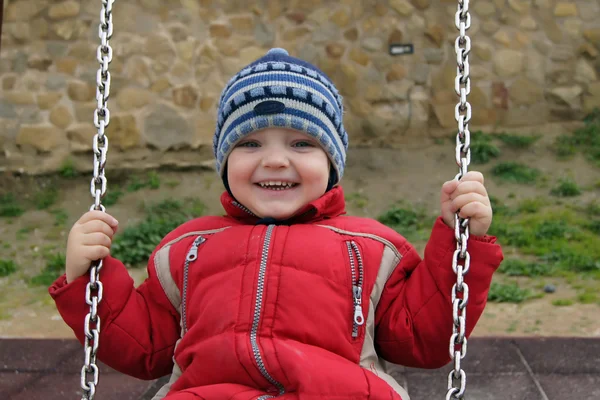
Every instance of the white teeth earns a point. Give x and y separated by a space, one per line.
276 185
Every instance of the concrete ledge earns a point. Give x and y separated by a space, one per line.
497 369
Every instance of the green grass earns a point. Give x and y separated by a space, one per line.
515 172
508 293
531 206
55 267
357 199
24 232
482 148
516 267
517 141
566 187
585 140
563 238
10 206
60 216
135 244
45 198
68 170
112 197
7 267
588 297
562 302
151 180
499 207
411 222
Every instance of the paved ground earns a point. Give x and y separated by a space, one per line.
497 369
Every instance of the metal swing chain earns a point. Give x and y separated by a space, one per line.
457 379
93 292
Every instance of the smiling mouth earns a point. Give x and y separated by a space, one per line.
276 185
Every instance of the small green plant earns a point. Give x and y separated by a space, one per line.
67 169
594 226
112 197
517 141
571 259
552 229
515 172
565 146
60 217
507 293
516 267
562 302
24 232
587 297
566 187
499 207
592 209
413 223
9 206
513 326
585 139
151 180
45 198
135 244
357 199
7 267
482 148
531 206
55 266
135 184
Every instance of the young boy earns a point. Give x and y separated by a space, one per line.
282 297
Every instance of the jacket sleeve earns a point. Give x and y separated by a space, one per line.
139 327
414 315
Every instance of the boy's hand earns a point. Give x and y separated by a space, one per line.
468 195
90 239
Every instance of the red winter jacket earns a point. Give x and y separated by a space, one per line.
300 311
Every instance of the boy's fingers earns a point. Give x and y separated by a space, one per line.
469 187
449 187
97 226
465 199
99 215
473 176
97 239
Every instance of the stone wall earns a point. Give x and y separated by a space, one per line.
532 62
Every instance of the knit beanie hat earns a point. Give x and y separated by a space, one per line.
278 90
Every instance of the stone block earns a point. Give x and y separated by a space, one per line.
43 138
65 9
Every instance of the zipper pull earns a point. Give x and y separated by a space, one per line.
359 318
193 253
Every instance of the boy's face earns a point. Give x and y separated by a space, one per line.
275 172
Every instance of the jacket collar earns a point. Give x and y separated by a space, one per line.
331 204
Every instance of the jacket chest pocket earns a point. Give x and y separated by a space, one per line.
357 278
190 257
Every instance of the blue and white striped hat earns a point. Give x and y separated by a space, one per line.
278 90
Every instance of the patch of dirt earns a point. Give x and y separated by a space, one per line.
380 176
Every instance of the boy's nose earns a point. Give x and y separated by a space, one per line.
275 159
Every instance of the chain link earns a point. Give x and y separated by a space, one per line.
457 378
94 289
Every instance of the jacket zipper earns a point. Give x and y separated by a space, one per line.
192 255
358 318
257 311
243 208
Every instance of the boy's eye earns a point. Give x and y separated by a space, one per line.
248 144
303 143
